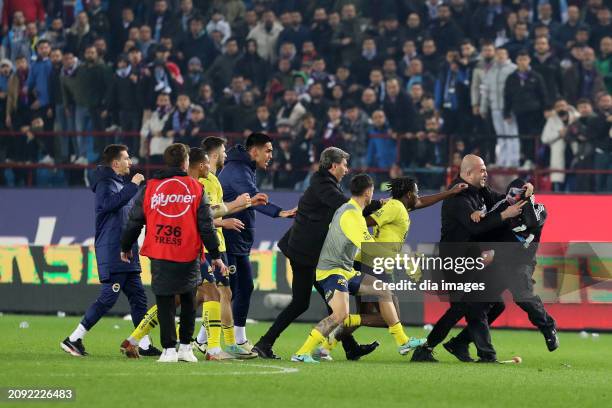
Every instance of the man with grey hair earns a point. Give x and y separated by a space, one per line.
302 245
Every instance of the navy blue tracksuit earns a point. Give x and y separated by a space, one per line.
236 178
114 199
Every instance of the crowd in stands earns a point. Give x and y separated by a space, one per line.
404 86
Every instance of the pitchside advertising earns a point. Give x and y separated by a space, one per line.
47 259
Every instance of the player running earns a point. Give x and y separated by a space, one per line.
347 232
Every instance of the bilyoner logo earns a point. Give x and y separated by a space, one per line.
168 202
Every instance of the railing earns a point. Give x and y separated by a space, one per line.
538 176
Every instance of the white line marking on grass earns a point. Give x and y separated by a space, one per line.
277 370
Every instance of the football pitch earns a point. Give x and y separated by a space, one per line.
578 374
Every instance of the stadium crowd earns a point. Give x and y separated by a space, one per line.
404 86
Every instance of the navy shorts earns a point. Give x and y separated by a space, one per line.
335 282
210 276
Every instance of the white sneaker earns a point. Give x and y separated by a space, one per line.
185 353
81 160
47 160
169 355
246 345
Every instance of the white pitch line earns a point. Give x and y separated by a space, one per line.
280 370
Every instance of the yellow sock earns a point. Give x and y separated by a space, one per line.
148 323
330 345
353 320
212 311
228 335
397 331
312 342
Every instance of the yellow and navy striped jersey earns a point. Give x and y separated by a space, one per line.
214 191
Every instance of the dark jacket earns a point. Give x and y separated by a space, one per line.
302 243
113 201
456 210
550 70
238 177
525 96
169 278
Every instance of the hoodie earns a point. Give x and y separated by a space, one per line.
113 201
238 177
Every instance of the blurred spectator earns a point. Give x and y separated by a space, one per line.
186 13
266 33
18 102
452 94
430 57
126 103
55 34
32 10
444 31
197 127
16 43
85 91
217 23
283 163
263 121
291 109
294 33
176 125
163 22
520 40
194 78
525 96
548 66
369 58
252 67
602 28
583 147
79 35
494 84
100 25
488 20
382 148
304 147
197 43
368 102
583 80
331 132
567 32
354 132
600 130
604 62
153 139
219 74
347 37
555 135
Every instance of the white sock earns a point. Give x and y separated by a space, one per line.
240 333
133 341
78 333
145 342
202 335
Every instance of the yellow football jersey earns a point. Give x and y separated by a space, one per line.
214 191
393 222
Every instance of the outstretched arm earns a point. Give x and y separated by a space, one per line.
426 201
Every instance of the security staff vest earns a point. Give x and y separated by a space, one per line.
170 208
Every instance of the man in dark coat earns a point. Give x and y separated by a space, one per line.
302 244
113 201
238 177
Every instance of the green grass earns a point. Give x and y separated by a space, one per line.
579 374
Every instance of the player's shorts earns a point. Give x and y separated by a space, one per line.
214 276
336 282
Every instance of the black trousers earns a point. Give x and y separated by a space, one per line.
304 277
520 284
477 317
166 312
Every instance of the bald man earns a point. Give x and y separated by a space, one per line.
457 228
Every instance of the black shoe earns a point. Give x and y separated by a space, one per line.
264 351
152 351
552 340
423 354
459 350
361 350
487 360
74 348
